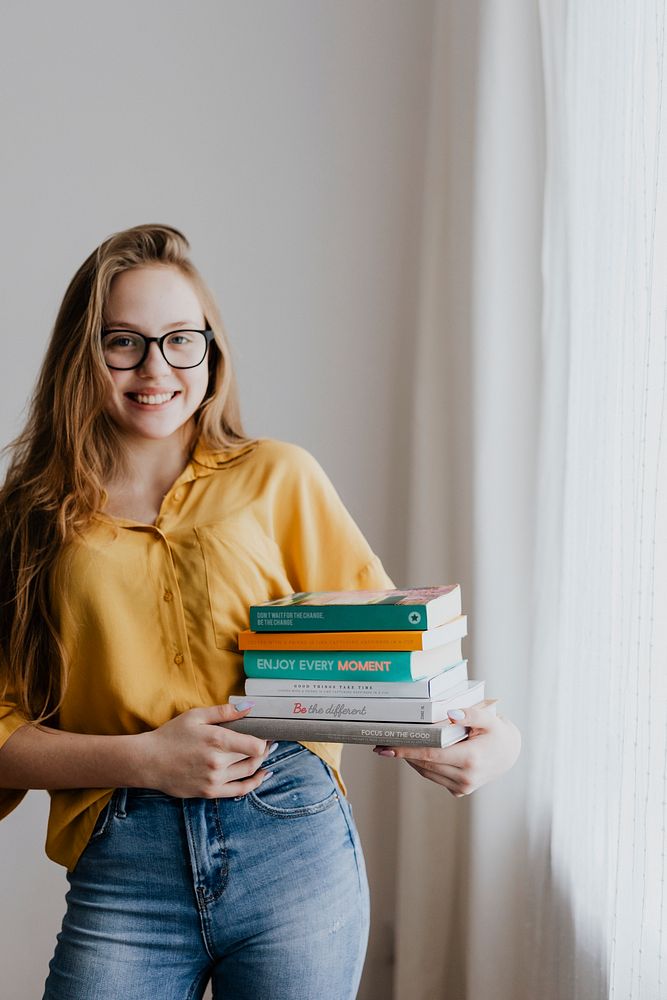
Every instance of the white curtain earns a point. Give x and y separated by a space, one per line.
539 481
473 474
598 771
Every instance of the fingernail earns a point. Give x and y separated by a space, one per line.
273 747
456 714
386 753
267 774
242 705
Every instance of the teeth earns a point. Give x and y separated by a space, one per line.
164 397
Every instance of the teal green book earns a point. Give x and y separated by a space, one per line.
358 610
396 665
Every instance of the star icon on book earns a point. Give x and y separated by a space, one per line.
414 617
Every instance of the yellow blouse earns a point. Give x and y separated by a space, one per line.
149 614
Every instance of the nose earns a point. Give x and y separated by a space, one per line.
154 363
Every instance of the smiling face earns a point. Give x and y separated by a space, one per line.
154 401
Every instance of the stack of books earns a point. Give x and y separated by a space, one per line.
378 667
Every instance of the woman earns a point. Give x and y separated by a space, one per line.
137 525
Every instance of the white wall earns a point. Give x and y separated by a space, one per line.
287 140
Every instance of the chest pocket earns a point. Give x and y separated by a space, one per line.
244 566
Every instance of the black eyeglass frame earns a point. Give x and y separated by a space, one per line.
207 333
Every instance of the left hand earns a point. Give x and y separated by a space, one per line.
492 746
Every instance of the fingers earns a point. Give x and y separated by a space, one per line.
453 767
229 774
456 756
478 716
226 739
244 768
221 779
236 789
218 787
491 748
237 743
452 774
215 714
451 778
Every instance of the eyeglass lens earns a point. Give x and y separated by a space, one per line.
181 349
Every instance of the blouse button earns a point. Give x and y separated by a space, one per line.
178 659
178 496
168 596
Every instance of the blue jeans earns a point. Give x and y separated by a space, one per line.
264 895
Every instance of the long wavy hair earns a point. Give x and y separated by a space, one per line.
70 448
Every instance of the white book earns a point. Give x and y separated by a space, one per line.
370 709
391 734
428 687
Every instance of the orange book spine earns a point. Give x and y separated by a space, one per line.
330 640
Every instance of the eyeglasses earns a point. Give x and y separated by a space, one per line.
125 349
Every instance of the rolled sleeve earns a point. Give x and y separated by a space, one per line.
10 721
322 545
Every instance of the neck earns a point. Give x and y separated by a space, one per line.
152 466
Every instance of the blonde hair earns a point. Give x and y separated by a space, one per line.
70 447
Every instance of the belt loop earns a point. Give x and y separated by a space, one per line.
121 802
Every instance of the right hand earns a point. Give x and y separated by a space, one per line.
194 756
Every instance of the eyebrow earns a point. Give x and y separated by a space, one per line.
121 324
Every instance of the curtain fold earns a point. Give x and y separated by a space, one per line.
507 385
473 458
432 827
597 803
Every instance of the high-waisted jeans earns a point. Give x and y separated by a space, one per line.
263 895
